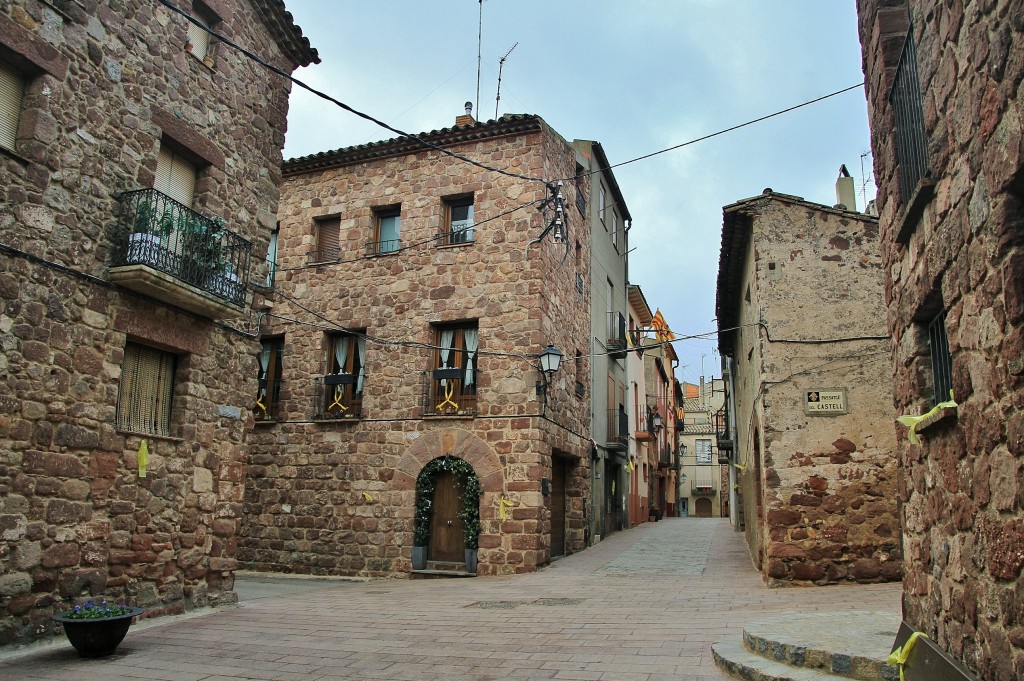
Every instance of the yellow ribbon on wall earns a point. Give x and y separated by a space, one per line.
912 422
630 466
367 496
900 655
740 466
503 506
143 458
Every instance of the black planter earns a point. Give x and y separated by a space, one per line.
97 638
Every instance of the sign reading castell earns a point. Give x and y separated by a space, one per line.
825 402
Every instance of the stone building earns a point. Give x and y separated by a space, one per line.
137 181
804 355
660 361
944 93
413 296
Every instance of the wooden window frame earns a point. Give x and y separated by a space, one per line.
145 403
268 397
448 236
325 252
384 213
462 398
343 392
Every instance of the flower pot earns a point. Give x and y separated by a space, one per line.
419 557
471 557
98 637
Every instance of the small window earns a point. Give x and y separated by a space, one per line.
328 240
942 363
453 376
615 228
345 377
387 230
12 94
197 40
272 256
581 376
703 451
600 203
581 199
146 390
268 394
458 221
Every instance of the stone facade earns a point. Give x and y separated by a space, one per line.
800 310
105 87
337 495
952 242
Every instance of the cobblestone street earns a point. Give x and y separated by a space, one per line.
644 604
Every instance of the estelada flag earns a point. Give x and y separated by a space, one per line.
661 330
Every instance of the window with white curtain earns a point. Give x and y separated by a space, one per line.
455 374
346 375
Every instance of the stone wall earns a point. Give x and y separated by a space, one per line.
105 84
818 491
337 496
958 249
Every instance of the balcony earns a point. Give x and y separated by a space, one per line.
445 393
383 247
618 430
722 432
665 458
339 396
166 250
616 342
268 401
323 256
703 488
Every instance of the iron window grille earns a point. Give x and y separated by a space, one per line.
942 362
908 114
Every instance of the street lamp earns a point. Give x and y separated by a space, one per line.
549 360
657 422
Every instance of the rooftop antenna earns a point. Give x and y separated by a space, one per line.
501 64
865 176
479 45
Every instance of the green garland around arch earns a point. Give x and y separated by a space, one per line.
468 485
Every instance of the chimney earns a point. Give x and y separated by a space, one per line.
846 192
467 119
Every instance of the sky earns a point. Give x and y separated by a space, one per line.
636 76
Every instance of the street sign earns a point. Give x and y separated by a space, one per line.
825 402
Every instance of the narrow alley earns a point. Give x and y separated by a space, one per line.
644 604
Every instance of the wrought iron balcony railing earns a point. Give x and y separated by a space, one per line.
339 396
723 434
158 232
703 488
324 255
618 429
383 247
616 335
446 393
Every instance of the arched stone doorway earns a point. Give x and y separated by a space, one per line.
447 516
702 507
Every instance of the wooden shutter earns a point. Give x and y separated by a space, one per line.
12 92
175 177
328 238
146 390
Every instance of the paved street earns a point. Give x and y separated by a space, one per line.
644 604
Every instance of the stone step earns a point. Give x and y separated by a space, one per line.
741 663
845 645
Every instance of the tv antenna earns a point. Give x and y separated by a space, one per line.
501 65
479 47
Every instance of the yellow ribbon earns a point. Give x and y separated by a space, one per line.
912 422
449 391
630 466
339 392
143 458
367 496
900 655
259 401
503 506
740 466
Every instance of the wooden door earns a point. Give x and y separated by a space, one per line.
558 475
702 507
447 542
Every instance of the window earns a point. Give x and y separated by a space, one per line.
453 377
328 240
942 363
600 203
146 390
458 221
908 114
268 394
272 256
615 228
345 377
198 38
387 230
581 199
581 386
12 93
703 450
175 176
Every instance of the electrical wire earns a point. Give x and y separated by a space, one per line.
820 341
323 95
